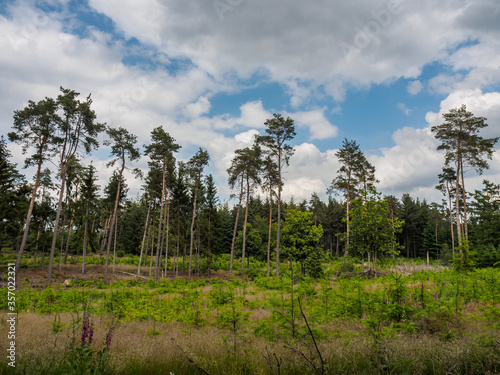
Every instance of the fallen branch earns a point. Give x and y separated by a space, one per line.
191 360
314 340
133 274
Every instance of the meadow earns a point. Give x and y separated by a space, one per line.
409 318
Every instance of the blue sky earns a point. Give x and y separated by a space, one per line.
211 71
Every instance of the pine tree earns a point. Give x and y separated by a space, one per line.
356 174
77 128
34 127
464 148
279 131
122 148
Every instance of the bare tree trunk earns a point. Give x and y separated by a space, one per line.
104 236
464 198
115 239
85 237
346 252
192 229
167 238
62 241
143 241
198 246
111 225
28 219
451 221
70 231
278 226
152 247
56 227
71 227
457 199
270 232
245 230
36 244
235 231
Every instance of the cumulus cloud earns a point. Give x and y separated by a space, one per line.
318 125
310 49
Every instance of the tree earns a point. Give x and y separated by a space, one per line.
161 151
89 194
246 166
372 228
485 220
464 148
301 238
195 166
10 180
355 173
34 127
212 217
122 148
77 127
446 178
279 131
270 181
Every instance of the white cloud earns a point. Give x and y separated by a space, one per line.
253 114
318 125
404 108
389 41
295 44
414 87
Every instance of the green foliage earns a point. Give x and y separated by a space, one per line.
301 241
372 230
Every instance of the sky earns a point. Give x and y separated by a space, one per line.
212 71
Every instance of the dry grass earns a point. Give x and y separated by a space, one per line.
349 350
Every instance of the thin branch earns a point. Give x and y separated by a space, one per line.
189 358
314 340
303 355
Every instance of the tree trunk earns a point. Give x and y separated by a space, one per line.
192 229
143 241
160 227
104 236
152 246
457 203
451 221
36 244
28 219
56 226
346 252
270 232
62 241
245 229
278 227
464 198
85 237
167 237
71 227
235 230
111 226
115 240
70 231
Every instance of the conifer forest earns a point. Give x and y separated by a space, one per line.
177 280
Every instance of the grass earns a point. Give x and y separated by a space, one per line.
429 321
